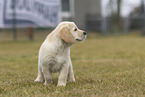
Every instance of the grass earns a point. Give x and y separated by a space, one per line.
111 66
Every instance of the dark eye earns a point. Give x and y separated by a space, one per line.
75 29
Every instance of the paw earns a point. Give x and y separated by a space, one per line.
72 80
38 80
62 84
45 83
48 82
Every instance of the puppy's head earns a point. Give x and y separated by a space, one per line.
70 33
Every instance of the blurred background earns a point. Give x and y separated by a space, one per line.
109 63
30 19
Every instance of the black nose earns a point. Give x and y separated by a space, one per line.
84 33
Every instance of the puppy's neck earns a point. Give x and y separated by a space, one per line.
66 44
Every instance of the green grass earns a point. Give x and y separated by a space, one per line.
111 66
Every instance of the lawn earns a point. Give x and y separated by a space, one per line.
111 66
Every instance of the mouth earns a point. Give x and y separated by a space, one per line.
78 40
84 37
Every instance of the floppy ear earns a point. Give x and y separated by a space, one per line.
66 35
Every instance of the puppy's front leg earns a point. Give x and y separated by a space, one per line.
63 75
47 75
71 77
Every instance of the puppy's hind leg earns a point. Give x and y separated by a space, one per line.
40 75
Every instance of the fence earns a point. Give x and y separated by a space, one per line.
111 24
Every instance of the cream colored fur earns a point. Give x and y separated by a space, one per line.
54 53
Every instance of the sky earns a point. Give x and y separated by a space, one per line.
126 8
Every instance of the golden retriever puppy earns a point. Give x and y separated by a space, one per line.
54 53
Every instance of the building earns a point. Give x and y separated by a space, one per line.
85 13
